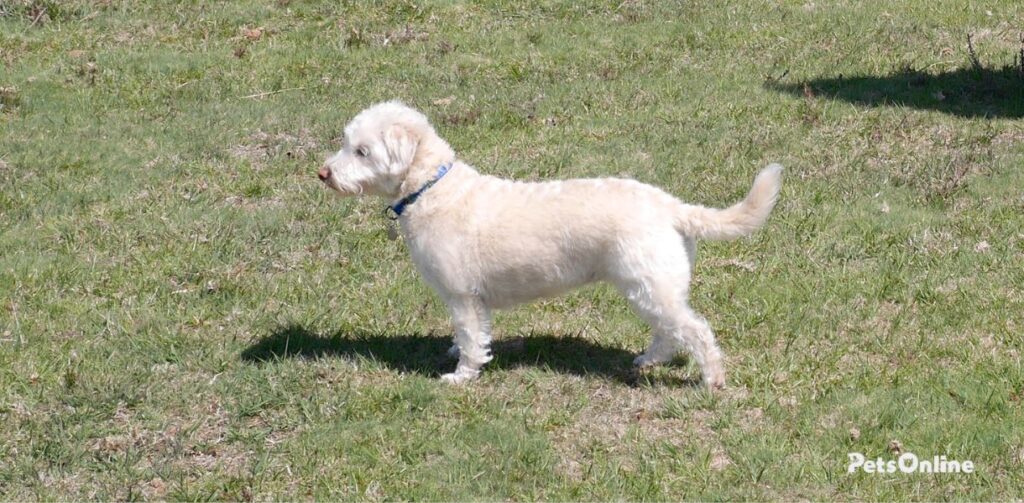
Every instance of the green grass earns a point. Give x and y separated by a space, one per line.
186 313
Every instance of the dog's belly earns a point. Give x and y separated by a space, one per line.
512 286
506 272
523 269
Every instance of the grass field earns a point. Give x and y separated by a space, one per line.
186 312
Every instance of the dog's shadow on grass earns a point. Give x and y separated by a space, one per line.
426 354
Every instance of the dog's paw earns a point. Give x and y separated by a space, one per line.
715 380
645 361
460 376
453 352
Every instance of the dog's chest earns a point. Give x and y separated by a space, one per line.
441 253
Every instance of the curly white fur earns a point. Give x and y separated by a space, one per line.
483 243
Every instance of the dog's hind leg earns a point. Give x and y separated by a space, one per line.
661 302
655 302
472 338
697 337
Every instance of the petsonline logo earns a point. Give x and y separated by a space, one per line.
908 462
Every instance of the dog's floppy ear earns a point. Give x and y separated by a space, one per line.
401 144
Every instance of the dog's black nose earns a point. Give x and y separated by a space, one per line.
324 173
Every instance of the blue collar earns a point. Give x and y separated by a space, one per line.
395 210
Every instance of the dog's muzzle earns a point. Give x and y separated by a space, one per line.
324 173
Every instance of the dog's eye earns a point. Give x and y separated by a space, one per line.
362 152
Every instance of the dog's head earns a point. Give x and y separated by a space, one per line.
382 146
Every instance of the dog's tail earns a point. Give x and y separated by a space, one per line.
738 220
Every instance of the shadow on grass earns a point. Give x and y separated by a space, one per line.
426 354
966 92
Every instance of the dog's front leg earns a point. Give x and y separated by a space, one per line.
472 337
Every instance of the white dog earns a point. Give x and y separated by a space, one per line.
484 243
